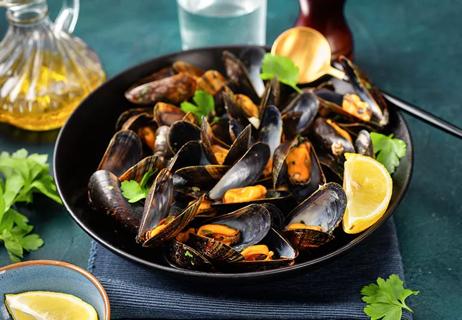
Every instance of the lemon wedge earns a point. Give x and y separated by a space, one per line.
368 187
46 305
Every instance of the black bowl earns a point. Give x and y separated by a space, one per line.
83 139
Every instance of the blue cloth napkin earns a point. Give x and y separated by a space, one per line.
331 291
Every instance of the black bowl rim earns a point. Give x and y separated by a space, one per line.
233 276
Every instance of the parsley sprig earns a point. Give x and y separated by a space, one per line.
23 175
134 191
386 299
281 67
388 150
203 105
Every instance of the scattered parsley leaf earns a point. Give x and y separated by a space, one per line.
386 299
134 191
204 105
388 150
188 254
22 175
281 67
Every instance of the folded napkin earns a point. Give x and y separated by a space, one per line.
331 291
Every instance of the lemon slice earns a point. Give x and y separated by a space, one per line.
46 305
368 187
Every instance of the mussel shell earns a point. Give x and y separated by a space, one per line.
239 75
136 172
105 196
214 250
124 150
182 132
166 114
275 197
328 137
181 220
202 177
271 95
156 75
212 82
252 58
207 140
173 89
270 131
367 92
239 146
253 221
244 172
124 116
157 204
161 147
285 254
188 68
180 255
192 153
363 144
307 105
324 208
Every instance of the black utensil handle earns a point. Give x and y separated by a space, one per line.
424 115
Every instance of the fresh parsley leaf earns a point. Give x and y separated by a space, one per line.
134 191
386 299
188 254
388 150
281 67
22 175
204 104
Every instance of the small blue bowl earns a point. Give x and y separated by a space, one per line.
50 275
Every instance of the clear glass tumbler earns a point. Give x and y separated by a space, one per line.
215 22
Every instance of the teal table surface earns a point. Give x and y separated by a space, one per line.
411 48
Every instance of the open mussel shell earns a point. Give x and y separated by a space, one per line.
208 140
124 150
305 105
239 146
161 220
244 172
136 172
300 186
105 196
161 147
166 114
173 89
270 131
124 116
192 153
323 210
144 126
188 68
202 177
180 255
252 58
334 140
182 132
284 255
239 76
366 92
271 95
253 223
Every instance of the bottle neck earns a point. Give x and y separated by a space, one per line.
27 14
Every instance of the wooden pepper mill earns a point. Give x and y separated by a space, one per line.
327 17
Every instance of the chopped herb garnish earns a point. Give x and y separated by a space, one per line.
204 104
388 150
134 191
281 67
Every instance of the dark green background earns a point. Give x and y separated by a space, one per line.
411 48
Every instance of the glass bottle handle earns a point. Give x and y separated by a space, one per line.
67 17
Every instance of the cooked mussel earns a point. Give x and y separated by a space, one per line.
167 113
105 196
173 89
312 223
363 144
244 172
335 140
304 108
222 238
161 220
124 150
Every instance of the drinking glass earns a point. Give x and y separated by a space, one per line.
218 22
